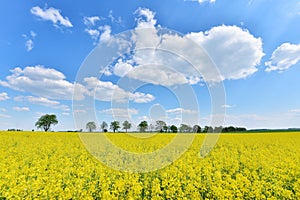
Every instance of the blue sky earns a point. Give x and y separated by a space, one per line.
255 46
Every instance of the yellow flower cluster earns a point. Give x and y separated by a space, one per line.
36 165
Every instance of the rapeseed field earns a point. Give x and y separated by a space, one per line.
38 165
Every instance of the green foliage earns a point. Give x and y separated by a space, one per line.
126 125
45 121
143 126
160 125
103 126
174 129
115 125
91 126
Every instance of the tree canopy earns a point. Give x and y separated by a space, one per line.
90 126
46 121
143 126
126 125
115 125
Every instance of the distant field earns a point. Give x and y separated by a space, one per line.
241 166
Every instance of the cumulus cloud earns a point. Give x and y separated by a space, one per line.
43 101
105 33
145 18
43 82
107 91
51 14
20 109
235 51
284 57
227 53
122 68
4 96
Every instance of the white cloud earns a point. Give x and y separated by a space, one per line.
29 44
106 33
4 96
43 82
202 1
157 75
94 33
51 14
107 91
113 19
145 18
33 34
91 21
120 112
228 106
295 111
5 116
181 111
235 51
284 57
2 109
43 101
106 71
122 68
21 109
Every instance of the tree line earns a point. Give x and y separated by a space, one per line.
161 126
45 122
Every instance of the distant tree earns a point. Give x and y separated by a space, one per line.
231 129
159 125
196 129
103 126
90 126
174 129
46 121
143 126
166 128
241 129
218 129
115 125
126 125
208 129
184 128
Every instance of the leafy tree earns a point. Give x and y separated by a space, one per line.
218 129
241 129
151 127
143 126
208 129
184 128
46 121
91 126
126 125
103 126
166 128
159 125
196 129
115 125
174 129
